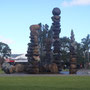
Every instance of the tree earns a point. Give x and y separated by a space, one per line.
1 61
5 51
80 56
65 52
43 35
86 47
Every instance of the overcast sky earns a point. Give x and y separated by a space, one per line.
17 15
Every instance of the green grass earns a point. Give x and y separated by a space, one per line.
45 83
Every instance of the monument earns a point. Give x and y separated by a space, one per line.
33 50
56 40
43 52
73 61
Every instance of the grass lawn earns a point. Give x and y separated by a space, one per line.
45 83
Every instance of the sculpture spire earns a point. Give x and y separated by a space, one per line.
73 61
56 31
33 50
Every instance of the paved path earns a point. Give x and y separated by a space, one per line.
82 72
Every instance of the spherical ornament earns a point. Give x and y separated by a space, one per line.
56 11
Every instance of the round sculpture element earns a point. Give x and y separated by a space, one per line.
56 11
34 27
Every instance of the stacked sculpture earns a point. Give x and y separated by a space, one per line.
33 50
56 31
73 62
48 51
43 52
